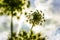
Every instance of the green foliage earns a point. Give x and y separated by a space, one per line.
28 4
35 18
1 13
27 36
13 5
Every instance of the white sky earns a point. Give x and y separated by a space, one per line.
49 8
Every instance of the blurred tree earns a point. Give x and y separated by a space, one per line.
10 6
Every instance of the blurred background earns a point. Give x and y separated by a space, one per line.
50 29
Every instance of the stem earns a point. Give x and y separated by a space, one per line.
11 24
30 31
31 28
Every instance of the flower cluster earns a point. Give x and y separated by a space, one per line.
27 36
36 18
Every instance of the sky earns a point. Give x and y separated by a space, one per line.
50 29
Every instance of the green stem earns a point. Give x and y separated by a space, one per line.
11 24
32 27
